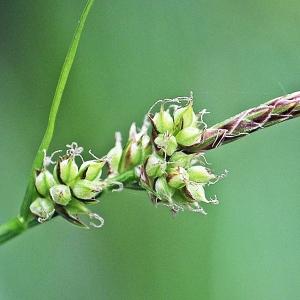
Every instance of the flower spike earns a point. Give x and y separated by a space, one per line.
169 164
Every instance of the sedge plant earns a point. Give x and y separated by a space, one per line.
165 158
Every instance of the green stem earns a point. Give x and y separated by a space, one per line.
30 191
11 229
125 177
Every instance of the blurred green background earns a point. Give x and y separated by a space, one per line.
232 55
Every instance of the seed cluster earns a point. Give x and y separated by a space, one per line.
171 176
68 189
160 163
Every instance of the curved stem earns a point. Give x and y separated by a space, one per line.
11 229
30 191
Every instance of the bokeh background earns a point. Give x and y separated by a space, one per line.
232 55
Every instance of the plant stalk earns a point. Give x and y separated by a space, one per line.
11 229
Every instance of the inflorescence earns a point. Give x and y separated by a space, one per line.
161 163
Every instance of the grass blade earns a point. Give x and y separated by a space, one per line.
30 191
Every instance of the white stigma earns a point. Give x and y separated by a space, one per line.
98 218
